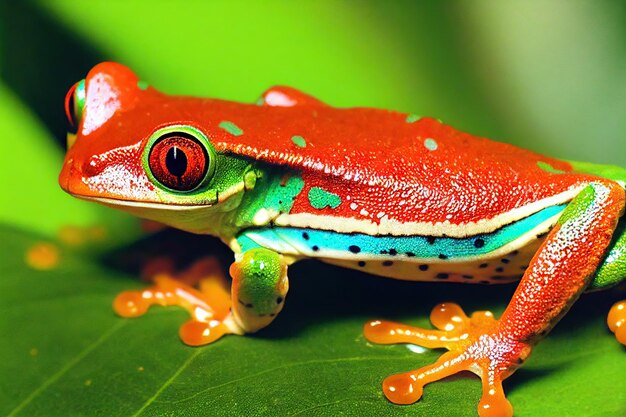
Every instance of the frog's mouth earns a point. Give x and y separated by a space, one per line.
141 205
190 218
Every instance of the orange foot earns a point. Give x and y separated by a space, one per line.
474 345
617 321
209 306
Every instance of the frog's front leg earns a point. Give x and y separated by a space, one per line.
494 349
259 288
258 292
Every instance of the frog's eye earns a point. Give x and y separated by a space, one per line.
75 103
179 161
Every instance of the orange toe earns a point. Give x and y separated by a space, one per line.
474 344
208 310
617 321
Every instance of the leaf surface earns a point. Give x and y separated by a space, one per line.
68 354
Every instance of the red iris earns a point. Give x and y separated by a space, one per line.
179 162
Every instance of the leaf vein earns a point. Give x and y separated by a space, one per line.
69 365
328 404
168 382
277 368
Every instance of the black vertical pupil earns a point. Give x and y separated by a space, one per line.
176 161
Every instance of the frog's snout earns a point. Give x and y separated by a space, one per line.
71 178
68 171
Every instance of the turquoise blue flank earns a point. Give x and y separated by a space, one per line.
306 241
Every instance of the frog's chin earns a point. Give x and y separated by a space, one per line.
147 205
191 218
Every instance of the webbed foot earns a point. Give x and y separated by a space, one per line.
209 306
474 345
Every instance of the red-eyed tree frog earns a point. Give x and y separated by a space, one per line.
384 192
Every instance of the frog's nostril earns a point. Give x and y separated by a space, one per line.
92 167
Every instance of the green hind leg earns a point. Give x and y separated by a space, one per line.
613 269
611 272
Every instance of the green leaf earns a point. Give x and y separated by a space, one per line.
68 354
496 71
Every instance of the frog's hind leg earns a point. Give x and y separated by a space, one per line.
467 340
613 268
611 272
456 333
493 349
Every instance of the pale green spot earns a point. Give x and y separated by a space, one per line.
282 193
260 101
142 85
320 198
549 168
299 141
430 144
275 190
231 128
412 118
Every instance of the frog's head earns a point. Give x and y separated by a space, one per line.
137 149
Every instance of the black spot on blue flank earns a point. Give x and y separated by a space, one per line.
354 249
479 243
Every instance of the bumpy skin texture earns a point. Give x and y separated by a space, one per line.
291 166
465 179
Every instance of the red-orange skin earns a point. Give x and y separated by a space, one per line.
380 161
373 158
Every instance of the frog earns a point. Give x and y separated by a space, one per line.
394 194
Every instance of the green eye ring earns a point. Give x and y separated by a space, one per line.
179 159
75 103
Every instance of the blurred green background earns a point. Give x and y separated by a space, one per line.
546 75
